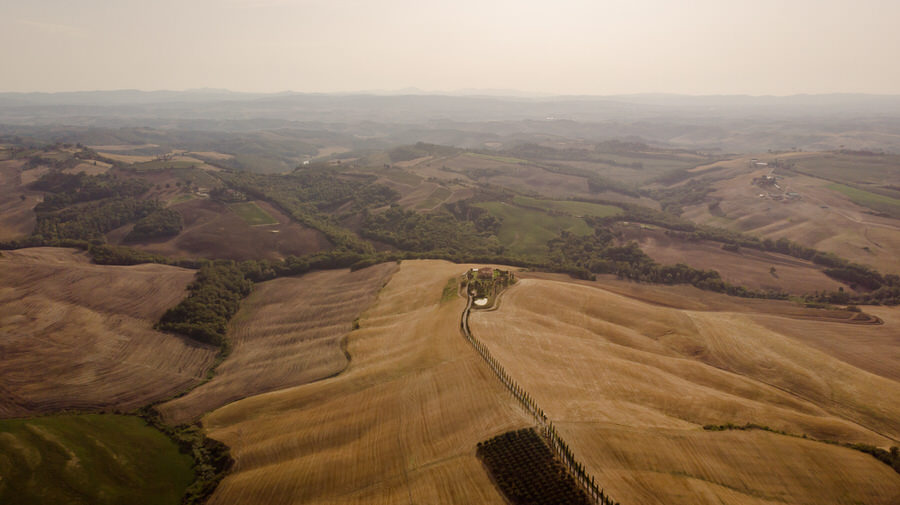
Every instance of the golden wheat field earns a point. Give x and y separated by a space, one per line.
399 425
74 335
630 382
288 332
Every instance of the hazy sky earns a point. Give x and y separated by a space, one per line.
565 46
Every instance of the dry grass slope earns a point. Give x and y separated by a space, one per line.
79 336
629 383
288 332
399 425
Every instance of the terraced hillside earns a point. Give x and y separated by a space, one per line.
288 332
630 378
74 335
399 425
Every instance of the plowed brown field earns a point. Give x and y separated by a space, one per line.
74 335
399 425
288 332
630 382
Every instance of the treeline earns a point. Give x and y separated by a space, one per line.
598 253
105 254
212 459
215 296
889 457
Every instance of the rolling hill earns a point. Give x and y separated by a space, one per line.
78 336
630 385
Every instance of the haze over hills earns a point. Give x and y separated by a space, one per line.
693 298
301 252
730 123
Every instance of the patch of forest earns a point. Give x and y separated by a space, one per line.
439 232
214 297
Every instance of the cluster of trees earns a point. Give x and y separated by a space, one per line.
64 190
673 199
91 220
159 223
435 232
80 207
215 296
526 471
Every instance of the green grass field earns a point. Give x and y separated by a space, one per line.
90 459
252 213
874 201
525 232
568 206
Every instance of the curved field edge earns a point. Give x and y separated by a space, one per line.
79 336
400 423
90 458
287 332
